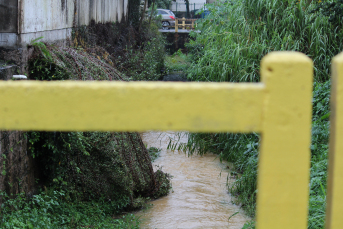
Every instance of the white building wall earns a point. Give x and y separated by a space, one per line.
43 15
180 5
54 19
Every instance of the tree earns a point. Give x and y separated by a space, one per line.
152 9
134 12
187 8
163 4
143 14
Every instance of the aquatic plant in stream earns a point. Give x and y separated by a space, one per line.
154 153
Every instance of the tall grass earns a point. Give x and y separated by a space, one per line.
234 38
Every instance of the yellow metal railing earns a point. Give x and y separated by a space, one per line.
334 207
183 24
279 108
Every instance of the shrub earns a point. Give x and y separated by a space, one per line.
51 210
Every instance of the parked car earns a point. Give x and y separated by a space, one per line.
168 18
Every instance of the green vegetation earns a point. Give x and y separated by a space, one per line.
51 210
154 153
235 37
137 55
88 179
178 62
95 165
242 151
161 4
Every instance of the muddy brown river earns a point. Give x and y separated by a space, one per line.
199 198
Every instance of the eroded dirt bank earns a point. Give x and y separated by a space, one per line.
199 198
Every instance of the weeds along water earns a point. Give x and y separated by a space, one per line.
235 36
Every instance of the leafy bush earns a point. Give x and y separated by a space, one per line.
139 54
51 210
331 9
145 63
164 184
95 165
46 70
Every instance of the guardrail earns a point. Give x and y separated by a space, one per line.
279 108
334 209
181 22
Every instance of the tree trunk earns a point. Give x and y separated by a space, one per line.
143 14
187 8
134 12
152 10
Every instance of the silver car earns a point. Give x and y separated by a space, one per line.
168 18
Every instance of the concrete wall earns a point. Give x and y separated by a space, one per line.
53 19
101 11
8 16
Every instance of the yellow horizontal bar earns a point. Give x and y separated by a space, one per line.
130 106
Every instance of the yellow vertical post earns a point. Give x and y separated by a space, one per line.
334 210
176 25
284 161
183 23
192 24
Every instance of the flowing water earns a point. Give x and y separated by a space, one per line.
199 198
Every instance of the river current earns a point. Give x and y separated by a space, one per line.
199 197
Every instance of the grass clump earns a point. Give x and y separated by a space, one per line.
237 34
154 153
50 210
178 62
